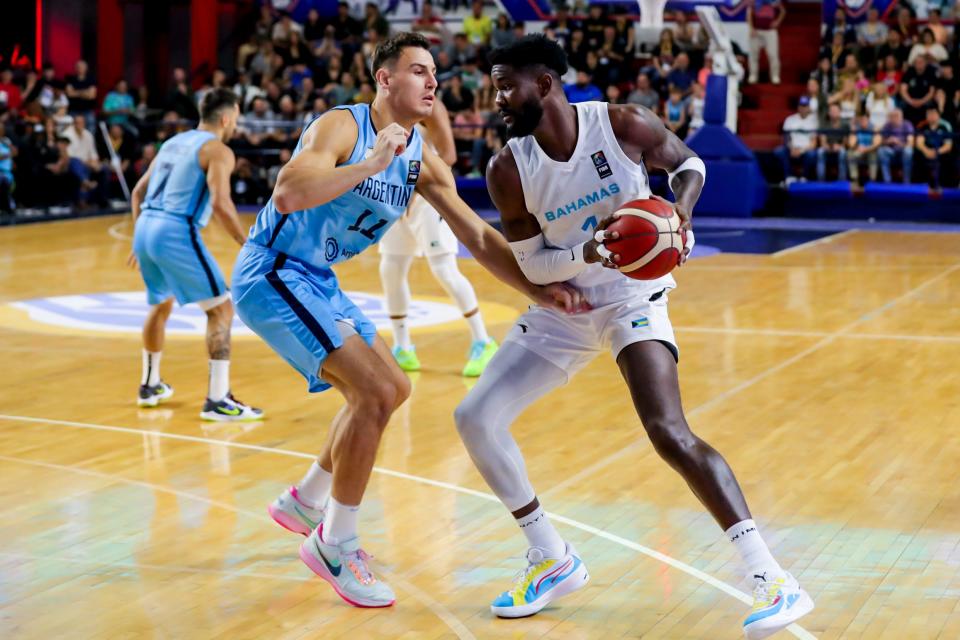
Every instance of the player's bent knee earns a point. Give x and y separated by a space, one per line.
672 439
468 418
376 401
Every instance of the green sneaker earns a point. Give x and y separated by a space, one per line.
407 358
480 354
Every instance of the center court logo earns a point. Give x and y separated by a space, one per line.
124 313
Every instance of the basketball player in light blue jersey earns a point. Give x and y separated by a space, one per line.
351 176
187 183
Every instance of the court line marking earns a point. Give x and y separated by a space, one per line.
795 629
809 244
435 607
114 231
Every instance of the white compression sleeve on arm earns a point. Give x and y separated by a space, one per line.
690 164
542 265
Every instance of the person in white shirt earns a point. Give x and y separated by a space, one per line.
800 137
85 162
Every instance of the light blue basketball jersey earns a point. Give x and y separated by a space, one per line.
345 226
178 185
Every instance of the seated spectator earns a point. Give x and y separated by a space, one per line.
365 95
847 100
935 24
374 20
947 94
878 106
485 97
896 144
849 70
313 28
318 108
890 74
935 142
826 76
917 89
180 98
644 94
675 112
613 53
800 138
871 34
274 170
680 75
818 101
346 29
289 124
85 162
594 24
928 48
468 135
695 106
462 51
342 93
626 35
836 52
118 107
283 28
864 143
599 72
430 25
8 152
576 50
833 144
562 26
840 26
10 96
664 54
905 27
583 90
456 97
296 52
477 26
894 47
122 144
503 34
147 154
683 33
257 128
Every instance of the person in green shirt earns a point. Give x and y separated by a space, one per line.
477 26
118 106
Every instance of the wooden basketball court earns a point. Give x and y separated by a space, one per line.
827 375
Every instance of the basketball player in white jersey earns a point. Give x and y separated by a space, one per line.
423 232
564 168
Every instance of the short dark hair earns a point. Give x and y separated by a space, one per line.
390 49
215 101
529 51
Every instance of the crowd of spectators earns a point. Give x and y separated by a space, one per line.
884 96
52 151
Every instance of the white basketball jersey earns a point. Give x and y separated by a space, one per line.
570 198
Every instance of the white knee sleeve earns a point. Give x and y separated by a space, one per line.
513 380
445 270
396 288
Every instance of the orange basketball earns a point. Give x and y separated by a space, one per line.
651 241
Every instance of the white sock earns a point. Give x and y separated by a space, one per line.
477 327
751 547
219 380
401 333
540 533
314 489
151 368
341 522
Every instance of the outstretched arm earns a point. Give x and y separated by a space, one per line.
437 185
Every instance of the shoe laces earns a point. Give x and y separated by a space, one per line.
232 398
766 591
522 579
357 561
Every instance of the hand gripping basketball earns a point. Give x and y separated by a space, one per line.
651 239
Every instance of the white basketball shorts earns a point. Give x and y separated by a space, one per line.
420 232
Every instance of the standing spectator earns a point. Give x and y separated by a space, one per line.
7 153
928 48
935 141
695 107
764 18
917 89
896 139
478 27
864 143
583 90
180 98
644 94
10 96
85 162
82 92
878 106
890 74
118 106
833 144
675 113
800 138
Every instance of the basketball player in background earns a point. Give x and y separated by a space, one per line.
187 183
422 232
563 166
351 176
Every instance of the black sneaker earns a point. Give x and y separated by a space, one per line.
152 396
